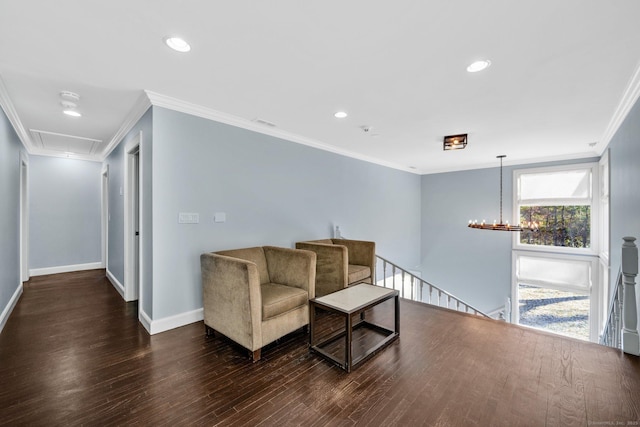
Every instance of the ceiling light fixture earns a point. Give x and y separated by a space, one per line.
500 226
340 115
478 66
72 113
177 44
454 142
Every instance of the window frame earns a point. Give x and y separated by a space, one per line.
595 301
592 254
595 236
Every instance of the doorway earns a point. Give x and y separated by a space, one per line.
24 217
132 223
105 216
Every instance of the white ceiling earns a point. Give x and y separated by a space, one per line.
561 77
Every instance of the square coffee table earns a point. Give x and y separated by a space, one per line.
349 303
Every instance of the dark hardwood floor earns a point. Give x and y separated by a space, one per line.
73 353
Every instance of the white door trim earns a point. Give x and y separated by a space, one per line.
24 217
132 281
106 217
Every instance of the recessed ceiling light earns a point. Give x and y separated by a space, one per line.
340 115
72 113
177 44
478 65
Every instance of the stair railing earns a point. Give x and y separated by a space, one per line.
413 287
611 332
621 329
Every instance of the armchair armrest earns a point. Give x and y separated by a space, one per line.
232 301
292 267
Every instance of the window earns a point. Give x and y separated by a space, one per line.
555 293
558 204
556 273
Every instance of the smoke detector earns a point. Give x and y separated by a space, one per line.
66 95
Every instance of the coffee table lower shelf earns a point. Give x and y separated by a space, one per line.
334 348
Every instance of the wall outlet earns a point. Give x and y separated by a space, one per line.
219 217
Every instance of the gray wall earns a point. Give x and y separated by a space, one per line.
115 250
274 192
474 265
624 191
10 147
116 164
64 212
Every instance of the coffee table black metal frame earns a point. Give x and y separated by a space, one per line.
349 311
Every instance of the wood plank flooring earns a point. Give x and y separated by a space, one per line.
73 353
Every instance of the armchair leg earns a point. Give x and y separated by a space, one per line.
209 331
256 355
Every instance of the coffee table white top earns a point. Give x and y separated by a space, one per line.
353 298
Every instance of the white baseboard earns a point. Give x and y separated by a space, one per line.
116 284
10 306
65 268
176 321
145 320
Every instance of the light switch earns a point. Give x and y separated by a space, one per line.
188 218
219 217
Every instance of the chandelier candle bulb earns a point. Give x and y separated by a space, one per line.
501 226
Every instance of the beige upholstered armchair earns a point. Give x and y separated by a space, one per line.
257 295
341 262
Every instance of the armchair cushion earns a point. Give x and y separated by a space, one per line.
278 299
358 273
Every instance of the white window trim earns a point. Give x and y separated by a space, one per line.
605 233
595 210
592 254
594 291
604 203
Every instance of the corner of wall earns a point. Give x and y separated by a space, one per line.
10 306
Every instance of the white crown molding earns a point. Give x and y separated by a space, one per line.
140 107
629 99
12 115
174 104
48 153
561 158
